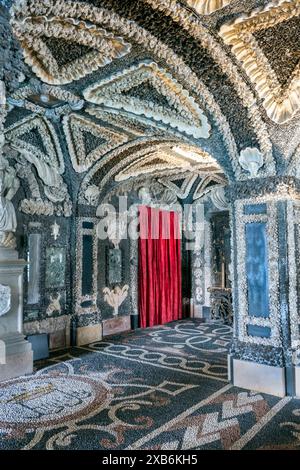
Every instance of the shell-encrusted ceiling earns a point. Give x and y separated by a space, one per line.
88 141
110 84
37 135
169 159
61 50
146 89
273 67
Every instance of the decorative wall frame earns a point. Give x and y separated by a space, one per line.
86 304
114 266
34 268
38 36
281 102
293 220
55 267
45 135
102 139
243 320
179 111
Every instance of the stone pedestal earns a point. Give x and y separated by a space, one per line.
17 356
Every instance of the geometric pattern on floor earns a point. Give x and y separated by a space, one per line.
158 388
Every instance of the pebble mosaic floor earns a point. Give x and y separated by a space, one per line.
162 388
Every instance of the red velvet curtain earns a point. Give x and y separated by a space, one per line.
160 297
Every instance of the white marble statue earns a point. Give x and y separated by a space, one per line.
9 185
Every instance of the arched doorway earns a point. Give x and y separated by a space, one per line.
175 178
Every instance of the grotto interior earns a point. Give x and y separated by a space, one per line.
188 107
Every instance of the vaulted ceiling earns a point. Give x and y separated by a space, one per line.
114 79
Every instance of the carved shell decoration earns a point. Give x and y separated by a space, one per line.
92 194
206 7
251 160
218 198
115 297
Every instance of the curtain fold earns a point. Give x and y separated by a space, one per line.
160 296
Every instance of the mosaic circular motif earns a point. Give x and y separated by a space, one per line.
48 402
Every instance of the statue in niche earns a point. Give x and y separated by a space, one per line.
9 185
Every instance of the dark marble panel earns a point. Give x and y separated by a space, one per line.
114 266
87 264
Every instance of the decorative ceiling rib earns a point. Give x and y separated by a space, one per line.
37 135
88 141
61 50
276 78
146 89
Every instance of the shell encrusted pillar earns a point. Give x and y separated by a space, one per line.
265 217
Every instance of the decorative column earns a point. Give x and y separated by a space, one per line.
16 356
265 275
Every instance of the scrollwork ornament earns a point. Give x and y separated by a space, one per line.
5 299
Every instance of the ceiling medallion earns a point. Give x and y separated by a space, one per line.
88 141
62 49
148 90
206 7
281 98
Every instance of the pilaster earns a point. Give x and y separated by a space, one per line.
265 279
17 356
